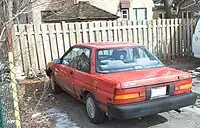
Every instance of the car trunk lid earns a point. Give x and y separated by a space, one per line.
147 76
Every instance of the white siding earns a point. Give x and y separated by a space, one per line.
112 6
148 4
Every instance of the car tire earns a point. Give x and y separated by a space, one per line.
94 113
55 88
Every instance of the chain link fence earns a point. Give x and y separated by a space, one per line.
9 108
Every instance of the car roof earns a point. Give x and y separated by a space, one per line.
106 45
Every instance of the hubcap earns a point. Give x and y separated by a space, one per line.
90 107
52 83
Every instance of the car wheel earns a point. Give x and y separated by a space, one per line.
54 86
94 113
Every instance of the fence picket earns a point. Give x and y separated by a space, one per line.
91 32
24 47
40 48
54 49
168 40
97 32
150 41
135 31
59 40
104 33
47 52
78 33
176 37
72 34
164 40
180 45
140 34
184 37
17 47
115 31
172 47
130 35
145 33
65 36
188 37
124 31
154 37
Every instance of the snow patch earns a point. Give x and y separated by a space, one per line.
35 115
62 119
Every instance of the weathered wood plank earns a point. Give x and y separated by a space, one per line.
180 37
59 39
17 48
47 51
155 44
176 45
135 32
150 41
72 34
54 48
66 39
91 31
168 40
40 48
164 39
104 33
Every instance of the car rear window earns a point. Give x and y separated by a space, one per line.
125 59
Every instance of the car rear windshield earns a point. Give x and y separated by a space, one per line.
125 59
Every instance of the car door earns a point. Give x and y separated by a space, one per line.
196 40
83 78
67 67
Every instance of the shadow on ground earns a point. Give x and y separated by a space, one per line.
77 113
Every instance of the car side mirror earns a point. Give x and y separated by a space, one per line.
57 61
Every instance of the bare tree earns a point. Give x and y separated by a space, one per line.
10 11
172 7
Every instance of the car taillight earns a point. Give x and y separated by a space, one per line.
127 96
184 86
131 95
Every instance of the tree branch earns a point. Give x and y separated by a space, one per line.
178 7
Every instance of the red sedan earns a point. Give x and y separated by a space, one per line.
120 80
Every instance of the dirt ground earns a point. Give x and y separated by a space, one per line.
42 109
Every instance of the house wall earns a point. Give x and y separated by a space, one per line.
112 6
148 4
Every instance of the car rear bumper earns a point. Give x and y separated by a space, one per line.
151 107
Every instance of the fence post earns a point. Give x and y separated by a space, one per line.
14 90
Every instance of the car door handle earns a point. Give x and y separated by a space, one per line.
71 72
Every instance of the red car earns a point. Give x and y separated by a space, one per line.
120 80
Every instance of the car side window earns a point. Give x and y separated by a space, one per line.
78 58
70 58
84 61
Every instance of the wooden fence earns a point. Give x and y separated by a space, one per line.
37 44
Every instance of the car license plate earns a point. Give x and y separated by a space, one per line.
158 92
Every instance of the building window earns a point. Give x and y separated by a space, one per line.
125 14
140 13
